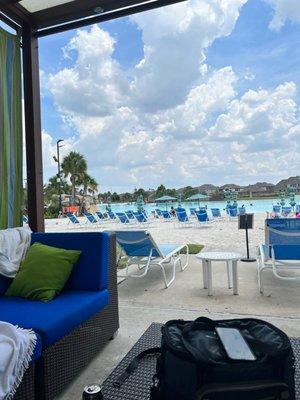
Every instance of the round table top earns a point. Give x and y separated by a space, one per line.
219 256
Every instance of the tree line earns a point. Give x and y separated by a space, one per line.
75 180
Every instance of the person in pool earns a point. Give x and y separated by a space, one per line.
173 212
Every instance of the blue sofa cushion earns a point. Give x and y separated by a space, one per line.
91 270
38 348
4 283
58 317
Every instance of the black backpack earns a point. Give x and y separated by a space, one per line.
193 364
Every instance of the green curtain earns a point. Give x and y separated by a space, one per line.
10 131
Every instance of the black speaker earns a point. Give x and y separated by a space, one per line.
246 222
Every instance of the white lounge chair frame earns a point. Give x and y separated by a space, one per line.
264 261
145 263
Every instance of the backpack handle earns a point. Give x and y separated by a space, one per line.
195 352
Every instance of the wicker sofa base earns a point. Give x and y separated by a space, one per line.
61 362
26 391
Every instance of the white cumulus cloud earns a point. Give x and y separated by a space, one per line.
284 10
172 118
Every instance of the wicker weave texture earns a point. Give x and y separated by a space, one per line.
137 386
26 389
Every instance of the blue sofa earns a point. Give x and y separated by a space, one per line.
78 322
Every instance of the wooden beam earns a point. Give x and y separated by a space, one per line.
9 22
107 16
16 12
33 130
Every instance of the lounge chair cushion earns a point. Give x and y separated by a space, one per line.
56 318
90 272
167 249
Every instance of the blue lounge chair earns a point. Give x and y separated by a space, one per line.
73 219
280 259
142 250
216 213
276 209
140 217
285 231
286 211
182 216
241 211
193 211
122 217
111 215
202 217
166 215
101 216
232 212
129 214
183 219
158 212
90 218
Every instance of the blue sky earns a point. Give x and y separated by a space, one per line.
208 101
271 56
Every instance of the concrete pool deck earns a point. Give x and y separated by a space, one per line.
142 301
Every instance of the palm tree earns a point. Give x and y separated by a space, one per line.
74 166
89 184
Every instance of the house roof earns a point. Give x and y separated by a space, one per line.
54 16
293 180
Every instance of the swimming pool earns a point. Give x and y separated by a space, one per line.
254 206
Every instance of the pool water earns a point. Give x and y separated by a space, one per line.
252 206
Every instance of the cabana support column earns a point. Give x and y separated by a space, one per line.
33 130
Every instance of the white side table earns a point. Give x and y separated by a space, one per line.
231 260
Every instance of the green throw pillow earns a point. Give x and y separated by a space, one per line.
43 273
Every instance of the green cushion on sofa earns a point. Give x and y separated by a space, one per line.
43 273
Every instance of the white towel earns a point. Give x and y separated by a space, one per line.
14 243
16 349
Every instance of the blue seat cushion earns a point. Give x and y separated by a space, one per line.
38 348
55 319
4 284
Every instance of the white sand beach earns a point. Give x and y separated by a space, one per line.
219 235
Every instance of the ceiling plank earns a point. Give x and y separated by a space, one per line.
73 10
106 17
16 12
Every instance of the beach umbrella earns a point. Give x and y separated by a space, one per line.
198 197
165 199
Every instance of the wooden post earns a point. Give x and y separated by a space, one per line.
33 129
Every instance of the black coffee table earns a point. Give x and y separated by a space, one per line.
137 386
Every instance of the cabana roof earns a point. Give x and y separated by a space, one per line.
52 16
